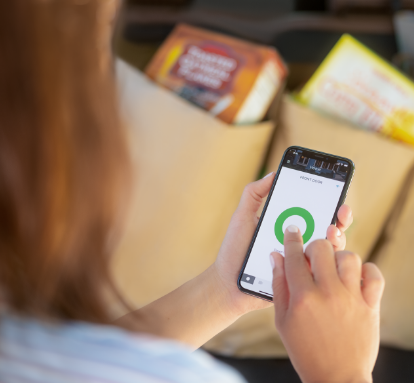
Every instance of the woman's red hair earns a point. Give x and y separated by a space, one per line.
63 159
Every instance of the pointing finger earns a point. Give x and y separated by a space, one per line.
298 275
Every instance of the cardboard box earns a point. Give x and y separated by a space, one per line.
232 79
356 85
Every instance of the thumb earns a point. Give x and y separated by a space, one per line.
372 284
254 193
280 287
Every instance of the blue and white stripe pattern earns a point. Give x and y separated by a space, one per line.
77 352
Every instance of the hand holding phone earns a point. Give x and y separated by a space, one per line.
308 190
238 238
327 319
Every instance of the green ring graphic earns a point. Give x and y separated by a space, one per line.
310 223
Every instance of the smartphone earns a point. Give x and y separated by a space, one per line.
307 191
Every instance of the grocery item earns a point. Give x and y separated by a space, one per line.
355 84
232 79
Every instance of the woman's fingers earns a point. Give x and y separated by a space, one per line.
336 234
322 260
345 218
336 237
372 284
254 193
349 270
298 275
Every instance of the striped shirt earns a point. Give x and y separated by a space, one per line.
34 352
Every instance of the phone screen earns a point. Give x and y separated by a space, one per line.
306 193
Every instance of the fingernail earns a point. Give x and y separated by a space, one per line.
338 233
272 261
292 229
268 175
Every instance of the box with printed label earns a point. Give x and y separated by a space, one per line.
356 85
232 79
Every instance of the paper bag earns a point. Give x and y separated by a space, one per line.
381 168
191 170
395 258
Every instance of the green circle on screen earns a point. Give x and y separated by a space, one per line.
310 223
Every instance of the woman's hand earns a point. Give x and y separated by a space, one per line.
240 233
327 318
205 305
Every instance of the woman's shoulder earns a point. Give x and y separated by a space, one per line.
103 352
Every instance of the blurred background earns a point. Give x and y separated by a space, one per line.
303 31
195 152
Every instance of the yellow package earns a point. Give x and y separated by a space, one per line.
356 85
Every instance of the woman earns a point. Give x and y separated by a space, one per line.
64 175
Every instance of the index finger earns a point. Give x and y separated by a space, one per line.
297 271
